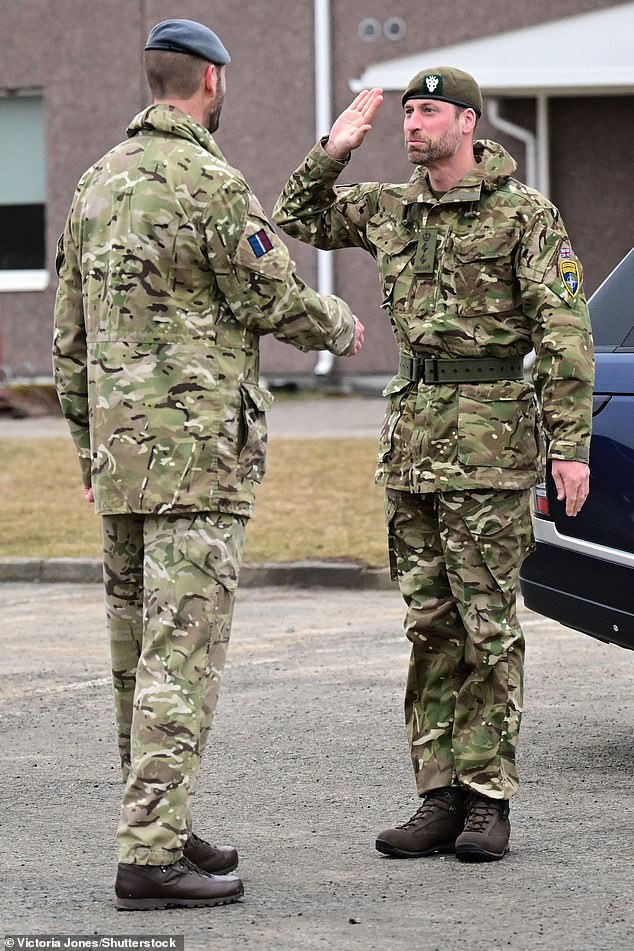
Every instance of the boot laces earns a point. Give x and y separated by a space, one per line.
481 811
429 806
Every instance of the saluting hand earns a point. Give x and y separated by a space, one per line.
354 123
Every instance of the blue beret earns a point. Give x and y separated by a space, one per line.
187 36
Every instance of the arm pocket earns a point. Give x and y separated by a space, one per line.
497 425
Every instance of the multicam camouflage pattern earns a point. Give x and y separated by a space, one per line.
172 577
169 272
491 286
475 272
456 556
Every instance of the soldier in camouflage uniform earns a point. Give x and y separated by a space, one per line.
169 273
477 270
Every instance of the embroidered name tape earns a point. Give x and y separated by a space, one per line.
260 243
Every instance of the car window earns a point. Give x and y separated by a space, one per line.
612 308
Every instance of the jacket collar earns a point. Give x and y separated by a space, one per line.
494 166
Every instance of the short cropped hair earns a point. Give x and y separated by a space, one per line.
173 75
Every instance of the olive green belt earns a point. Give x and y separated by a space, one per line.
460 369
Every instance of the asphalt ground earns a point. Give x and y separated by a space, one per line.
307 761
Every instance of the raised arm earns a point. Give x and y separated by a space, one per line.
351 127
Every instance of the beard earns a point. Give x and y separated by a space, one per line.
426 151
213 118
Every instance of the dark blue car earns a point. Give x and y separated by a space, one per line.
582 572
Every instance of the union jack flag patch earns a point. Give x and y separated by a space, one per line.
260 243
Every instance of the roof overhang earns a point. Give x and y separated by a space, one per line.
588 54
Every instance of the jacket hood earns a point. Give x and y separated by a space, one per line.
168 120
494 166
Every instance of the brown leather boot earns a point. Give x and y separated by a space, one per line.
433 828
485 837
180 885
215 859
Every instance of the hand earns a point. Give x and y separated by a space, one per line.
572 480
88 493
359 334
354 123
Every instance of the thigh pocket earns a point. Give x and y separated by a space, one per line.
214 545
503 532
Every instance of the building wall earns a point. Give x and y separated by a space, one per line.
86 56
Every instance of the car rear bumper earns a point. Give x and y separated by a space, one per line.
581 592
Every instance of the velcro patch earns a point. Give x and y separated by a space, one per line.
260 243
570 275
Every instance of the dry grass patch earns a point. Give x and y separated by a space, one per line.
318 501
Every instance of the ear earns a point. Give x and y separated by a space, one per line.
211 79
469 120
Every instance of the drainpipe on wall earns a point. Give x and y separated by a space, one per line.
524 135
323 121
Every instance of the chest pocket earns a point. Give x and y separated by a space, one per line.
395 247
484 272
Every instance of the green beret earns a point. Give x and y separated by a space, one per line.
448 85
187 36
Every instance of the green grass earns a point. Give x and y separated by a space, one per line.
318 501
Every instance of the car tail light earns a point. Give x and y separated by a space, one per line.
540 501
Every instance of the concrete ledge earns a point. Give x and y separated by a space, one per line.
69 570
315 574
302 574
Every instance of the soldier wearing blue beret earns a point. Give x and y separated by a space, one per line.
169 274
187 36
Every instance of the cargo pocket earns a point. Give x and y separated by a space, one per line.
497 425
391 443
254 402
503 533
211 551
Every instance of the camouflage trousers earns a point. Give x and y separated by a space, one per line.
170 582
456 556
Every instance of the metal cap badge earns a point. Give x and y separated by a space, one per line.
447 84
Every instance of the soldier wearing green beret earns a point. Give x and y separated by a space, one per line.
169 274
477 271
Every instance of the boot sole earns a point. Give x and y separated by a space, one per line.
475 853
152 904
386 848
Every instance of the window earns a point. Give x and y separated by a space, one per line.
612 311
22 192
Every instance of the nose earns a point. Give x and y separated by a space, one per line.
410 122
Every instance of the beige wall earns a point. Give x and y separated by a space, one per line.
86 55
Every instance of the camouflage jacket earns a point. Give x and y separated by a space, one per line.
169 272
493 285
